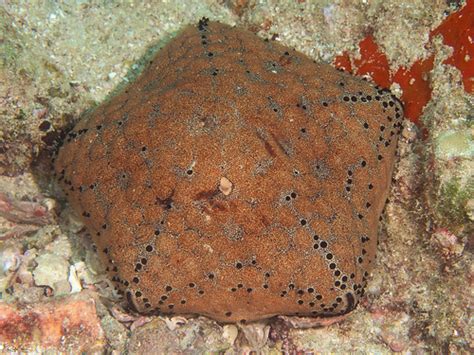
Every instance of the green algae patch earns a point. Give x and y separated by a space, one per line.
8 46
455 144
453 203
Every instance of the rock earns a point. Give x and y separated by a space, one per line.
64 325
52 271
196 336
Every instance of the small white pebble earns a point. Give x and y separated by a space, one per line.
225 186
9 260
49 203
74 280
230 333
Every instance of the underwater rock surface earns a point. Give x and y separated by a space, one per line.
236 178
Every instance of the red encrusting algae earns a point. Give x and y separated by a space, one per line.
416 88
343 62
457 31
373 62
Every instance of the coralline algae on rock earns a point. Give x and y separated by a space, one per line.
236 178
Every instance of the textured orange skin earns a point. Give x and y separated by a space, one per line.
308 180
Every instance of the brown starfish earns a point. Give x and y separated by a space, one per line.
236 178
